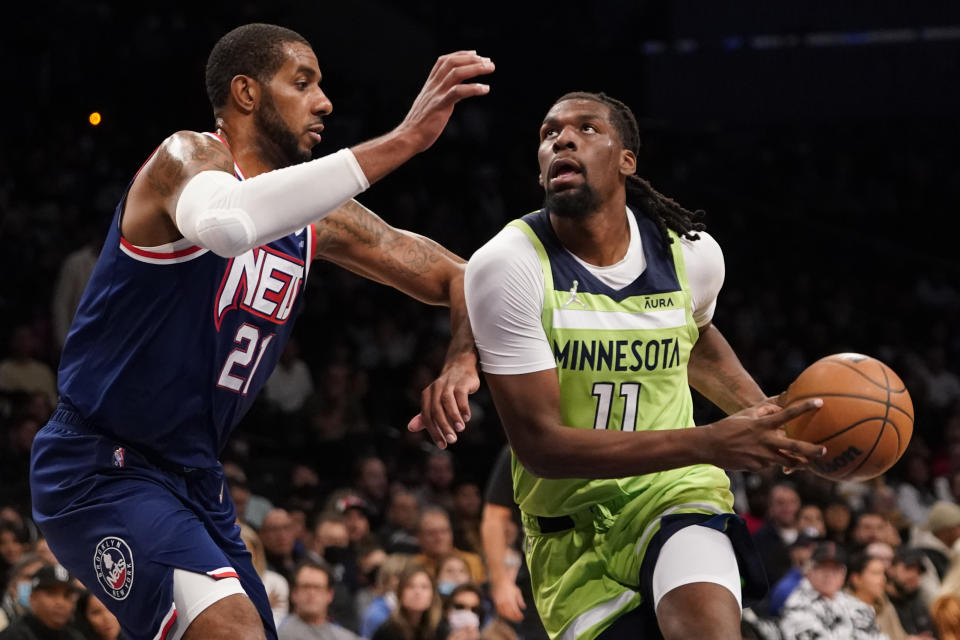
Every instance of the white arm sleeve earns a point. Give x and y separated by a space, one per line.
229 216
504 292
705 273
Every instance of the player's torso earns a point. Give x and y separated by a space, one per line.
621 358
171 344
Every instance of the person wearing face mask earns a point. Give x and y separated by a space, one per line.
452 571
16 597
53 599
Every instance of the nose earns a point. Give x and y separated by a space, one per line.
322 106
565 140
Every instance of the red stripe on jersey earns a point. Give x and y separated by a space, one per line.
169 624
217 575
158 255
313 242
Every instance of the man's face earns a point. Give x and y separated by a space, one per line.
582 159
906 577
436 536
404 511
869 528
330 534
440 471
357 524
311 594
783 507
289 114
277 532
10 548
811 518
53 605
373 478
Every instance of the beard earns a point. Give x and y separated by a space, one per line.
279 142
576 202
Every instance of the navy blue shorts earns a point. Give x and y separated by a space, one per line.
122 524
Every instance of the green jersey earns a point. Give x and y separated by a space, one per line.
621 360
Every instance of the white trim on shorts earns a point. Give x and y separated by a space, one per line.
194 592
696 554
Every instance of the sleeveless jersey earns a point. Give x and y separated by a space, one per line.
170 345
621 359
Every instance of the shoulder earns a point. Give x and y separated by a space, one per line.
510 249
704 251
183 155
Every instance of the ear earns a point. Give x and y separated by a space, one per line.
245 92
628 163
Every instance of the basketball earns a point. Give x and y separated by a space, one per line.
866 419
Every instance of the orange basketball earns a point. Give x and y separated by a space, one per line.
866 419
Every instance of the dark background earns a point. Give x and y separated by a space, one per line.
820 138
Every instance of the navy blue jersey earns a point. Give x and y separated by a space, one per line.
170 345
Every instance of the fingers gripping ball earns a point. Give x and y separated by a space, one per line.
866 420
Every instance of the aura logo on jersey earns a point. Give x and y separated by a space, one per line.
262 281
113 564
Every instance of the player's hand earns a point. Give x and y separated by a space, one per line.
508 600
445 404
754 438
444 88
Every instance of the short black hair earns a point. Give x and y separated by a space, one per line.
254 50
318 564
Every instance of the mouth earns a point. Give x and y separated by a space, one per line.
564 171
314 132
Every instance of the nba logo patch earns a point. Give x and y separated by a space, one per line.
113 564
118 456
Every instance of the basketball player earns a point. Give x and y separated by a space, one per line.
188 309
593 317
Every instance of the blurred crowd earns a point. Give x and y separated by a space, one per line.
835 239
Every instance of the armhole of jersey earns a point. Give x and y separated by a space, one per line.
310 255
681 266
546 313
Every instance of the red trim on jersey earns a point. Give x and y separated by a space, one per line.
171 618
313 242
157 255
223 573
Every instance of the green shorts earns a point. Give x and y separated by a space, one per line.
585 567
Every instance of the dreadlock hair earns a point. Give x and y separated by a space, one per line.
254 50
664 211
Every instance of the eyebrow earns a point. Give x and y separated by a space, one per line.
578 118
308 70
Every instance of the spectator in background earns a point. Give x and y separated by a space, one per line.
94 621
22 371
355 514
331 541
370 556
916 494
13 544
938 541
311 596
779 531
15 454
276 586
438 474
810 521
467 506
16 595
867 582
251 508
418 608
946 616
53 598
372 483
72 279
436 542
818 607
903 589
463 614
800 552
870 526
837 517
388 577
278 537
399 532
290 384
452 571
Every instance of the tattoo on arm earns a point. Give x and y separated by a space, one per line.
355 231
183 156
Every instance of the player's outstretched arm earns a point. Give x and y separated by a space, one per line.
529 407
357 239
716 372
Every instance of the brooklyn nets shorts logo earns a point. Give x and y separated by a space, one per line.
113 563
